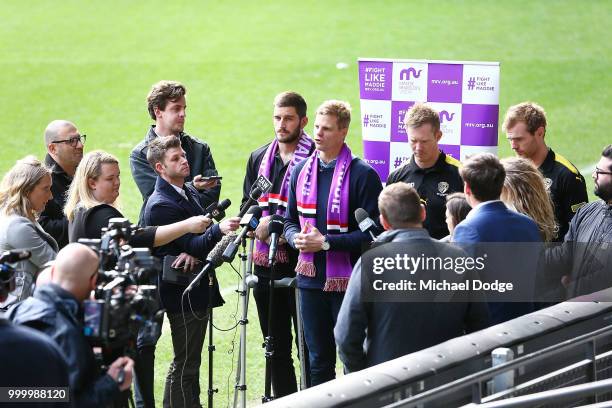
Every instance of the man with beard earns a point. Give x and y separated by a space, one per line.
275 161
64 153
585 256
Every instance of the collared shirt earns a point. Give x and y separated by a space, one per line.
433 185
566 187
180 191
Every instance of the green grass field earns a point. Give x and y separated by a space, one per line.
94 62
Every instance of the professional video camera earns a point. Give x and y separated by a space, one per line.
125 300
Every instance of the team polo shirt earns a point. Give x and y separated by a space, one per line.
433 185
566 187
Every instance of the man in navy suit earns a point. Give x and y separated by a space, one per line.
491 221
173 201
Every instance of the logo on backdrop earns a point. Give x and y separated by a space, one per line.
405 73
445 116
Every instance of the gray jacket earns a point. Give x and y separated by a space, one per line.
393 329
17 232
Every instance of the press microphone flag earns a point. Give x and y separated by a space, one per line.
275 230
261 186
366 224
213 259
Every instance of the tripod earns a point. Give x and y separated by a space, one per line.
211 346
248 281
290 283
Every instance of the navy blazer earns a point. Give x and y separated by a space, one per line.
167 206
494 222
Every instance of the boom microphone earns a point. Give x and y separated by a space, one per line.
15 255
249 222
214 259
216 211
366 224
275 230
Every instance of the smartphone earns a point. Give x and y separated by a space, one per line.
209 178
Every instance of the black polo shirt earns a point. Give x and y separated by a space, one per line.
566 187
433 185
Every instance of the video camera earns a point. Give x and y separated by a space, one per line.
7 272
125 300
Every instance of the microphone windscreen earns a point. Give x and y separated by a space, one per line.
214 256
276 225
360 215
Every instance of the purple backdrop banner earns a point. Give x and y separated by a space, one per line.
466 95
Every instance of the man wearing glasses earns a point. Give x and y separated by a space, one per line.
64 153
525 127
585 257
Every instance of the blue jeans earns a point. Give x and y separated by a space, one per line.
319 314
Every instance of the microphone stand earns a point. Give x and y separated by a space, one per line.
248 281
211 346
269 340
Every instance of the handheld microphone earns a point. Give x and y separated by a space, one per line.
275 230
249 222
15 255
366 224
253 196
216 211
214 259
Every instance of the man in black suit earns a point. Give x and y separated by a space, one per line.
173 201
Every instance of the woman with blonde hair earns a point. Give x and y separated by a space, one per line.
24 193
524 191
93 201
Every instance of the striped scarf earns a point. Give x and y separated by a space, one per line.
278 201
337 263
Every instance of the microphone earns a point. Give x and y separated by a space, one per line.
15 255
216 211
249 222
366 224
214 260
275 229
253 196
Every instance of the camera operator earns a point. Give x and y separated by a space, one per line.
92 202
56 310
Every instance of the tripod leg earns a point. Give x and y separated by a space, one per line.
300 336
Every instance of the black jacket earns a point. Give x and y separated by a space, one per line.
167 206
277 173
89 224
59 315
586 253
30 359
200 162
393 329
52 219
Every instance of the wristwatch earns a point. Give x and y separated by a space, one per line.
325 245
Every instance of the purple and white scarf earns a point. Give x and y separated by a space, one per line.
338 263
302 151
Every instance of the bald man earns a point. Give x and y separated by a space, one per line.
56 310
64 153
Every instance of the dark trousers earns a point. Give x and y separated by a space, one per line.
319 313
283 313
183 380
144 364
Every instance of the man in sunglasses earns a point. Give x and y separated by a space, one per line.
64 153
